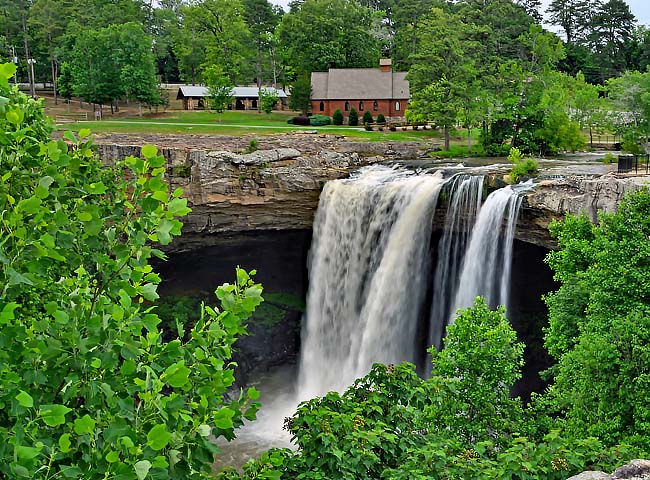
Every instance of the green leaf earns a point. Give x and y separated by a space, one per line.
7 313
158 437
148 291
223 418
112 456
204 430
61 317
84 132
7 70
25 399
142 469
65 443
97 188
26 453
96 363
178 207
84 425
84 216
29 205
253 393
149 151
54 415
176 375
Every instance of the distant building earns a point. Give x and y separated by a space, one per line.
379 90
246 98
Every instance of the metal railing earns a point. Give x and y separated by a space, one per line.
634 163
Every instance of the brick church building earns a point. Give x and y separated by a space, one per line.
378 90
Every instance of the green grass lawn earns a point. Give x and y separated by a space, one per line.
234 123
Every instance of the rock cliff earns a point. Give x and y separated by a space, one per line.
278 186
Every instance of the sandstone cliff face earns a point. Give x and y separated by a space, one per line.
276 189
278 186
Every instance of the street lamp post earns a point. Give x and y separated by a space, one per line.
32 86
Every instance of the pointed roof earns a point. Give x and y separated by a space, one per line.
359 84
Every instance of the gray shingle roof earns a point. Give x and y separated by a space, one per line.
238 92
359 84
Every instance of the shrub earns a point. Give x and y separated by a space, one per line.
319 120
609 158
252 146
367 117
521 166
337 118
368 127
353 118
381 119
89 387
299 120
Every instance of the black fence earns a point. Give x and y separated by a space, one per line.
634 163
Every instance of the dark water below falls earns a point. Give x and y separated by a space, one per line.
384 281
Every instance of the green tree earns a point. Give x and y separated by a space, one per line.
610 37
91 389
138 70
322 34
631 112
221 26
261 18
220 89
598 324
353 118
301 94
337 117
441 70
367 117
113 62
572 16
268 100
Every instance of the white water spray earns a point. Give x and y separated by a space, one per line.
367 275
487 262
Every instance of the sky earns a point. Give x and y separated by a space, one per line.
640 8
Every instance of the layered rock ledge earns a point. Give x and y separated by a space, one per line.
277 187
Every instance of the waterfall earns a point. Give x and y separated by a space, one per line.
487 262
465 194
368 271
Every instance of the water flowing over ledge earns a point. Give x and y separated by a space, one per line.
371 271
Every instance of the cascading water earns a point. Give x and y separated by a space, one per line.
367 274
465 195
487 262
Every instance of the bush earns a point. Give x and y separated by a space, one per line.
459 424
609 158
368 127
367 117
319 120
381 119
299 120
89 387
521 166
337 118
353 118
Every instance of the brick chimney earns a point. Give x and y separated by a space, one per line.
385 64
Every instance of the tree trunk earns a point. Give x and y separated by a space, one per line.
447 139
259 77
32 87
469 140
591 137
54 83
